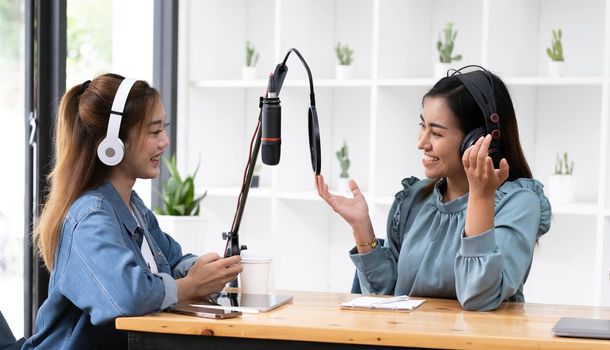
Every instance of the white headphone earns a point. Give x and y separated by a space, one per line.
110 151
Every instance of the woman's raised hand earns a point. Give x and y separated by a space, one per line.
354 210
483 179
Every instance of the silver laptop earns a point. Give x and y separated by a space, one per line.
582 328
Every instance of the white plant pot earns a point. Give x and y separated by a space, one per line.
344 72
440 69
189 231
343 185
561 188
556 69
248 73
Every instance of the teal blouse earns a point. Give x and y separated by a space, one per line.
426 253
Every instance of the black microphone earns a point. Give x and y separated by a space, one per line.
272 126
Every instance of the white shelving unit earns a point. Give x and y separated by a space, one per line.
377 112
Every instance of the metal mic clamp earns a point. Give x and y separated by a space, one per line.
234 248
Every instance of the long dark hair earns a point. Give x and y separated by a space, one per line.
470 117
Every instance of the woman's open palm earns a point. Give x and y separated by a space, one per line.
354 210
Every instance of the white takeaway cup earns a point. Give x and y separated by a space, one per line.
254 278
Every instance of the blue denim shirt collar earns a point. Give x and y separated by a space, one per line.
112 195
130 223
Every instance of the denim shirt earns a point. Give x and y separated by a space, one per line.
100 273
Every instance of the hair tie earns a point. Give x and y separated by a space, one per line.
84 86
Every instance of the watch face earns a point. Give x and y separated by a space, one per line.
374 244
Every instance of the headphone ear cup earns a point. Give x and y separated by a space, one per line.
471 138
496 156
110 151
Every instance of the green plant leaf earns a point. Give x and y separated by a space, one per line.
180 209
177 194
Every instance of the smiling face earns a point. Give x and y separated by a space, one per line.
143 152
439 139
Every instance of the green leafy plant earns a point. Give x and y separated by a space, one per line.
251 55
445 43
343 158
555 52
178 194
344 54
563 166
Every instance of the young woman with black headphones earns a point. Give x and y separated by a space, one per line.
104 248
468 231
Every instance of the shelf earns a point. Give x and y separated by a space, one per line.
404 82
262 192
262 83
266 192
376 112
576 208
548 81
300 195
310 195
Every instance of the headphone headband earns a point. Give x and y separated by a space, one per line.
479 84
110 151
118 104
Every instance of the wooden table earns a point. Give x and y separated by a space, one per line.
314 321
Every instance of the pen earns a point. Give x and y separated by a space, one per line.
392 300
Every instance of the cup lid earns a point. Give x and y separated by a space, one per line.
254 256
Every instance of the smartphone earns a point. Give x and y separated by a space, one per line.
202 311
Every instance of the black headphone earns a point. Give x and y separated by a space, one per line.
480 85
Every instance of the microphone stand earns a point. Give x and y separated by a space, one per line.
232 237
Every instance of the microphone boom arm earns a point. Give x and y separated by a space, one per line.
232 237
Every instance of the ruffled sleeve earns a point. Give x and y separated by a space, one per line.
492 267
536 187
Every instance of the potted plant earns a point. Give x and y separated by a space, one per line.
555 53
343 180
444 46
249 71
562 182
179 215
344 56
256 176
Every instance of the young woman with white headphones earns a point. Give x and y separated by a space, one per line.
104 248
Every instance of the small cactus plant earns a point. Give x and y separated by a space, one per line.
251 55
344 54
563 166
343 158
555 52
445 47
